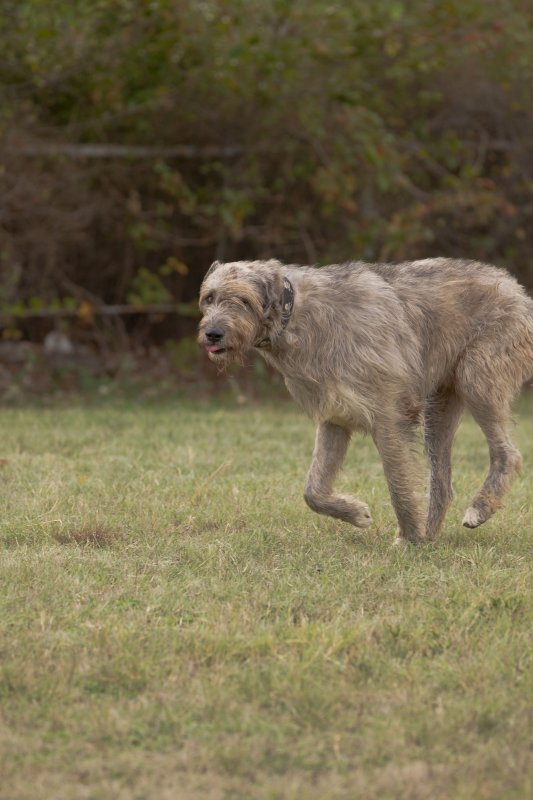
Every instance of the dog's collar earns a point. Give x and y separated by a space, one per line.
287 302
287 305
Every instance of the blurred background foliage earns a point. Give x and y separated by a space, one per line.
141 139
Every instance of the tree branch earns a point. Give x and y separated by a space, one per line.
186 151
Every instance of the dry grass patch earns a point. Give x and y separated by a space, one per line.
91 536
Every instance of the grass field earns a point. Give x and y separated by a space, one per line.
175 623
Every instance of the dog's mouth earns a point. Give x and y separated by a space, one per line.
216 349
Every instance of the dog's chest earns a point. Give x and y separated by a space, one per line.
324 400
328 402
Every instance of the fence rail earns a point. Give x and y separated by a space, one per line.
185 151
87 311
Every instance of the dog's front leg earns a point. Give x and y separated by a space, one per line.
330 448
393 438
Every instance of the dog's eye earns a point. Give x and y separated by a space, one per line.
208 300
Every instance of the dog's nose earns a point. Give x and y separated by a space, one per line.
214 335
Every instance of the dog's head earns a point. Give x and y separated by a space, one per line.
241 306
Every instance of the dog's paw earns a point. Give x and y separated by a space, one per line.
399 542
476 516
361 518
410 537
472 518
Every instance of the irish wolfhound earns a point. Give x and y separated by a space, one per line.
378 348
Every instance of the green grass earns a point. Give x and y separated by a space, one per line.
175 623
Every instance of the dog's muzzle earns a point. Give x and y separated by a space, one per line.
214 340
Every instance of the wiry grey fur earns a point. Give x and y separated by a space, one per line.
378 348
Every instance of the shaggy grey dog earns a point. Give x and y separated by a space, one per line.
380 348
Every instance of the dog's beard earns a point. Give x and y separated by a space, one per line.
221 358
233 355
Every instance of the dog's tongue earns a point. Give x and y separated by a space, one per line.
213 348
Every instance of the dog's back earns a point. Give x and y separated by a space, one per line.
455 305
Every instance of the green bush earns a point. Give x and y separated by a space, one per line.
309 130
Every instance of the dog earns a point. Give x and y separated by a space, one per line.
382 349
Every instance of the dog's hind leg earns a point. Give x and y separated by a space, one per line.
488 380
505 460
330 448
394 440
441 418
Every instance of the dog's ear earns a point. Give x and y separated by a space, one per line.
269 294
215 265
271 287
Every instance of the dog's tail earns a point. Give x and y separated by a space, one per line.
528 382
